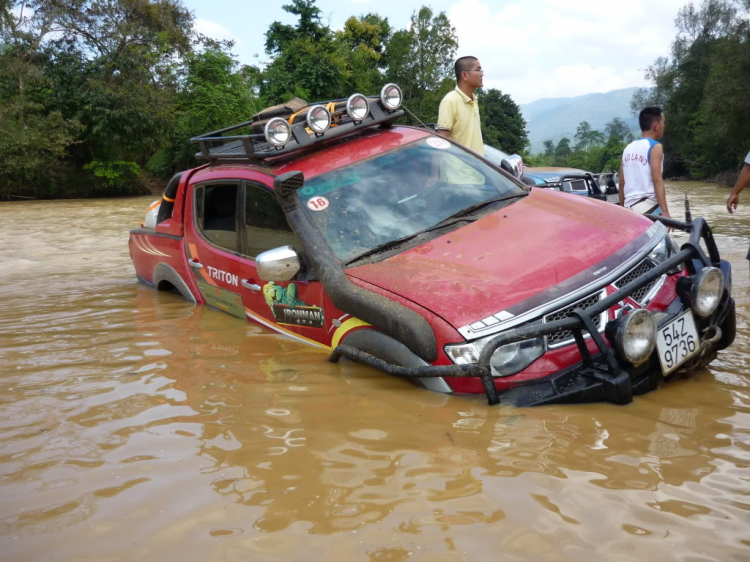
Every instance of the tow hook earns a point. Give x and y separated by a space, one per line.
711 335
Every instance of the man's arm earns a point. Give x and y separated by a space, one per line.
621 194
742 182
446 119
657 153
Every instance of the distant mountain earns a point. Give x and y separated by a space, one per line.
555 118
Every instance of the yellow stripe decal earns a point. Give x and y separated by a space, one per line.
167 199
347 326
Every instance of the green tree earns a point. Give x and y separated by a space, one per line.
587 137
362 42
700 87
421 61
215 96
617 129
33 143
503 125
549 148
306 61
562 152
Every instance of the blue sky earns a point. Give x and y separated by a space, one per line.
530 49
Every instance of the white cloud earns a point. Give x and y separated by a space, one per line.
559 48
215 31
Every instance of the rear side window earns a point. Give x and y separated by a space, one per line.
216 214
266 226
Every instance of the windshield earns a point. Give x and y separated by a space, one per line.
398 194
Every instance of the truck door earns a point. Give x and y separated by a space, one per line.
212 242
295 308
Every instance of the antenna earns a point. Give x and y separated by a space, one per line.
415 117
688 217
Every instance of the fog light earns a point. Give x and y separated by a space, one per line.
390 97
318 119
356 107
278 132
706 291
636 336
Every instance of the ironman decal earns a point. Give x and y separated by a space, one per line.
287 309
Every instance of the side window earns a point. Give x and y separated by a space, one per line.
216 214
265 223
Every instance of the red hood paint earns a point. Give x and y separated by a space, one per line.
507 256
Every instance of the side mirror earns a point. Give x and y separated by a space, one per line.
513 164
279 264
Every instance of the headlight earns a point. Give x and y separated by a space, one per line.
278 131
663 250
318 119
706 291
391 96
506 360
356 107
636 336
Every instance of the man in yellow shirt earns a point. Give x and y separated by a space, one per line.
458 118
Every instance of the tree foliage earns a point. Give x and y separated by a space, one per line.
594 151
703 88
96 93
503 125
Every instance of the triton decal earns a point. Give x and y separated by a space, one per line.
220 275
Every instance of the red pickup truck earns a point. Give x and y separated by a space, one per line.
397 248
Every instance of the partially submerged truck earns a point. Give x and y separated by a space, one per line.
394 247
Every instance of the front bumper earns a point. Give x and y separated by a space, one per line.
602 376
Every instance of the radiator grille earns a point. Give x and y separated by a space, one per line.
563 336
642 268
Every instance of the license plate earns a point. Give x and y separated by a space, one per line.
677 341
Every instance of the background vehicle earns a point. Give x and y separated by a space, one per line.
397 248
602 186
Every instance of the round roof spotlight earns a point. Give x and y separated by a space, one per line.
391 97
278 132
318 119
705 294
636 336
356 107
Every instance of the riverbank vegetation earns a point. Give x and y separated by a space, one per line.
98 96
704 89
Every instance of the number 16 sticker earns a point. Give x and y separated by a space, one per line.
317 204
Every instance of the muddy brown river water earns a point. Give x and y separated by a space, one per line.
136 426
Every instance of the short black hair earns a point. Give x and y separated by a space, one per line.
648 116
462 64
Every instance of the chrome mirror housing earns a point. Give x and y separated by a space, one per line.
279 264
513 164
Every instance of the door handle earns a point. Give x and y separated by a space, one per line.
248 285
195 264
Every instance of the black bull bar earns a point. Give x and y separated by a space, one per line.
607 371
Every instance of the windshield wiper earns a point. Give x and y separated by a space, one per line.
477 206
398 241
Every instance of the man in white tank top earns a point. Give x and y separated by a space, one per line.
642 163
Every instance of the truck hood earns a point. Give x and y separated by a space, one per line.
543 246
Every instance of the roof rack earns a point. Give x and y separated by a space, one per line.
215 146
